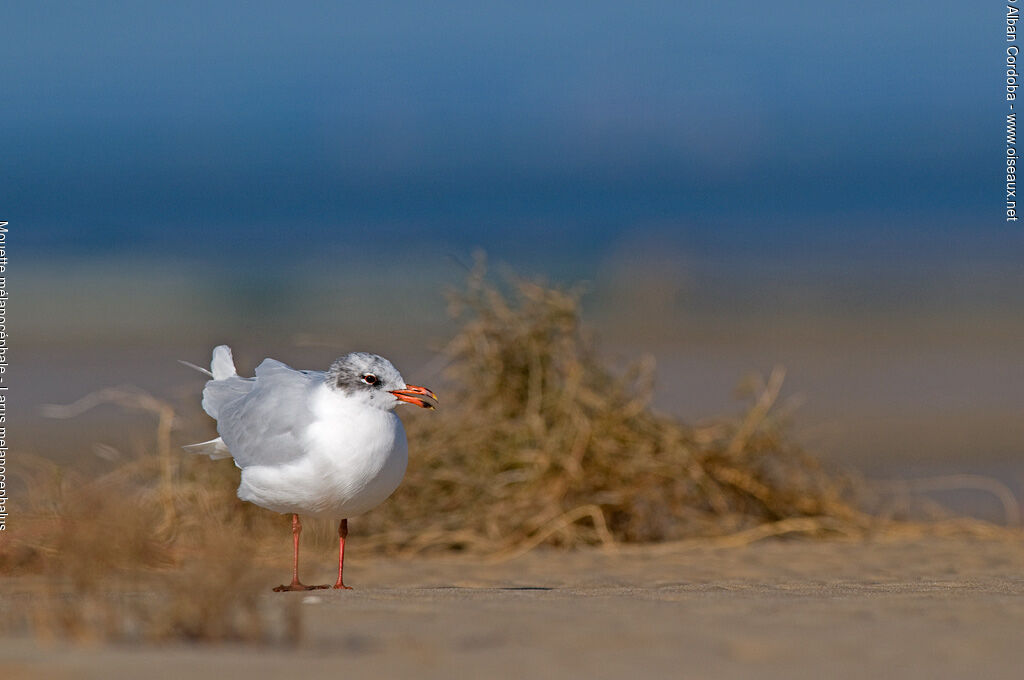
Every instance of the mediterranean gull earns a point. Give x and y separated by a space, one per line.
315 443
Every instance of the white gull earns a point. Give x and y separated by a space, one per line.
315 443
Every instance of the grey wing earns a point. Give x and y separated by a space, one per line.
218 393
266 425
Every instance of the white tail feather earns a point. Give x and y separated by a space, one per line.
223 365
214 448
191 365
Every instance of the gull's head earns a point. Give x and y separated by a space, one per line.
376 381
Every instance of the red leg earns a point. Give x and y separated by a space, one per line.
342 533
295 584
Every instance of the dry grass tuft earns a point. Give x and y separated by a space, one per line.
537 441
155 549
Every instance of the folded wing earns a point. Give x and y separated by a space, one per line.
262 420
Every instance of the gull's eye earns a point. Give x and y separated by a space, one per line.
370 379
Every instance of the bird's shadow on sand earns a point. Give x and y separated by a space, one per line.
499 588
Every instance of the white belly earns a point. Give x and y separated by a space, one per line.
352 463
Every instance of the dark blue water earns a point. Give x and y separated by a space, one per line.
535 131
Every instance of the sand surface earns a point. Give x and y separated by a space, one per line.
934 608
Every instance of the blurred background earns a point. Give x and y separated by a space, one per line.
740 185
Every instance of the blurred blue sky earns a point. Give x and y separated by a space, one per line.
535 130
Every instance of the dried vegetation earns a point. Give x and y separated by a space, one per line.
538 441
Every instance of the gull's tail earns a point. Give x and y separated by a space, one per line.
222 366
215 449
224 387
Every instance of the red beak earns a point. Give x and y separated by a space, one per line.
420 396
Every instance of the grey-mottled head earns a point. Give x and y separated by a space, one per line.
376 380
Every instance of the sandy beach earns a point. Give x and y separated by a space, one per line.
929 608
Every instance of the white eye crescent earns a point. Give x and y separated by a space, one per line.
370 379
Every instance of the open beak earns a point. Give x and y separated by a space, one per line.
420 396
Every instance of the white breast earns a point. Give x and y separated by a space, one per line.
355 457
